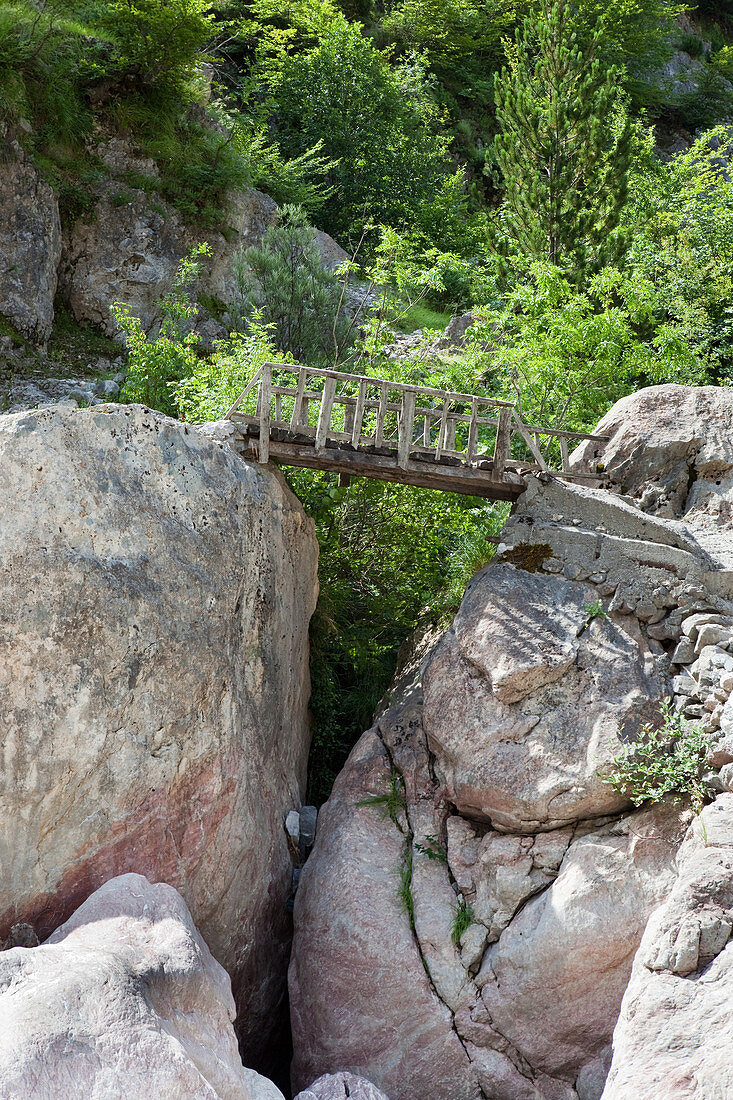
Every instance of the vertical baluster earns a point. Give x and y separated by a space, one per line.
472 432
324 416
426 431
264 413
358 415
278 408
381 414
298 419
503 441
564 454
443 427
404 433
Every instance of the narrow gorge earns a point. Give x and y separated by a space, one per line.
483 915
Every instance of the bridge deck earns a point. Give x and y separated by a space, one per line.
415 435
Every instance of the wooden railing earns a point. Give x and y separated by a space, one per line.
327 407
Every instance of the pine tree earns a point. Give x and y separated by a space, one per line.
564 148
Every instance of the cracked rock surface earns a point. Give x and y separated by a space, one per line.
466 926
675 1034
155 594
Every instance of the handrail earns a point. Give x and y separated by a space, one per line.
365 420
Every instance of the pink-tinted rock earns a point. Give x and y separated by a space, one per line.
675 1033
361 1000
124 1000
155 593
339 1086
529 993
527 700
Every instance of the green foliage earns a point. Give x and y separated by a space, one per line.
41 53
595 610
433 849
156 42
683 244
377 123
392 802
157 363
565 168
667 761
463 918
564 356
284 282
472 552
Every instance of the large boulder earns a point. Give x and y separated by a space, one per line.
124 1000
518 1004
671 448
340 1086
675 1034
361 998
528 683
508 883
155 594
30 246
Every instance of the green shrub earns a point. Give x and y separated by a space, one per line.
667 761
463 918
377 123
156 363
393 802
156 42
284 282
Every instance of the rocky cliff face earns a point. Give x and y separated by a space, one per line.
467 923
155 594
125 248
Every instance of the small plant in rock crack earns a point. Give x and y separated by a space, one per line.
433 849
595 610
392 801
665 761
404 891
463 918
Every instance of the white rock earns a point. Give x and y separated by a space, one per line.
124 1000
675 1032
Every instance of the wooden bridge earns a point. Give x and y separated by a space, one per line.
370 427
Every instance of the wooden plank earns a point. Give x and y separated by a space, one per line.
404 437
278 408
381 413
324 415
564 458
454 479
426 429
300 408
264 407
472 432
440 447
536 452
503 441
255 378
450 436
358 414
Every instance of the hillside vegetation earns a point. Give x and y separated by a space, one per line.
562 170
